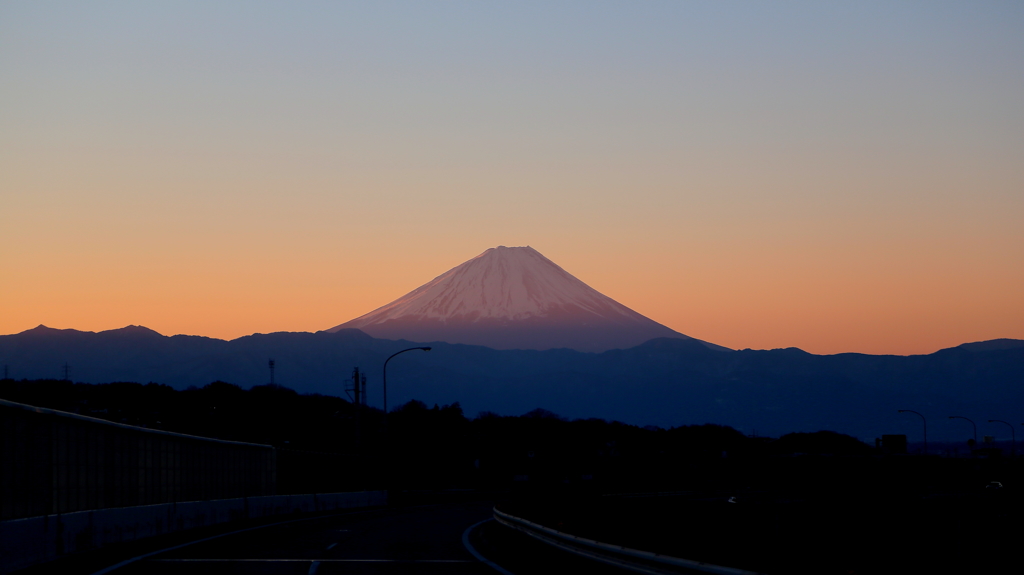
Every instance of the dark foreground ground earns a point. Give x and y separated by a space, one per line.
814 516
942 535
425 539
414 538
810 529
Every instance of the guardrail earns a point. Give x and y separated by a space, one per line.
53 462
632 559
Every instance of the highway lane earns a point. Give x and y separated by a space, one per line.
425 539
409 540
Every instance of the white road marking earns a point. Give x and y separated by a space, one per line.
134 559
144 556
331 546
317 561
481 558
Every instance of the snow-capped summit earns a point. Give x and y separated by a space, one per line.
511 298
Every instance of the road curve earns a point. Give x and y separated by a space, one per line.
425 539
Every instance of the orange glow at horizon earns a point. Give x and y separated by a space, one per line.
760 305
848 179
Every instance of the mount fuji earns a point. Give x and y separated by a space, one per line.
512 298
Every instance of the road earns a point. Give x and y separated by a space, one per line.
411 540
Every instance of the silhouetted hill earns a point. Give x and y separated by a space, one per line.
665 381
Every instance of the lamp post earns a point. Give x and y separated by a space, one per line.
924 422
972 423
1013 435
387 429
385 378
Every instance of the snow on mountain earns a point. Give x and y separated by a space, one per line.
505 283
511 298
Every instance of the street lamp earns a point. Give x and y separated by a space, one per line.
384 379
1013 435
387 429
924 422
972 423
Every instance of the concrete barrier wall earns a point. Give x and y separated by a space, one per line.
34 540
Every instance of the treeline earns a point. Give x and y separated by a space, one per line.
264 414
326 442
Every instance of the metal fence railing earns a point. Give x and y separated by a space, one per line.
55 462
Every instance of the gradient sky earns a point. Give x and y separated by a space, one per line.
834 177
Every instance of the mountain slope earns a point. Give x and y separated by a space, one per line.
668 381
512 298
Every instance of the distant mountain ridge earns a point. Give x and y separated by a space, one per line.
993 344
664 381
512 298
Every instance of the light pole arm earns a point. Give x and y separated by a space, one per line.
1013 434
975 425
924 422
384 378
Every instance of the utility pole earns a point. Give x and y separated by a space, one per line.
364 390
67 368
5 371
357 395
271 372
